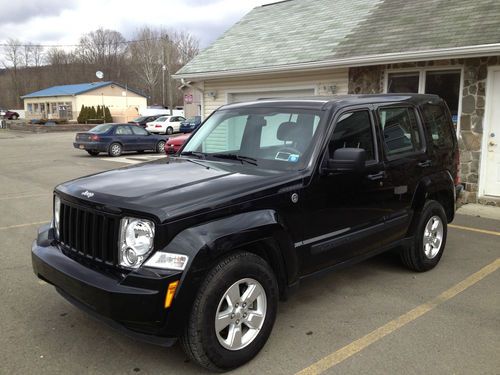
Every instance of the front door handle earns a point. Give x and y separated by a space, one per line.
377 176
425 164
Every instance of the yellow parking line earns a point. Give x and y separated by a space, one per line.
355 347
23 225
475 229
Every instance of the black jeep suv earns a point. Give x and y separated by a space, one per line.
202 246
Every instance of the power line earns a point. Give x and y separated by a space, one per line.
4 44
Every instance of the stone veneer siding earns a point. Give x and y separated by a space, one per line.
370 80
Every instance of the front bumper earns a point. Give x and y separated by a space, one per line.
132 303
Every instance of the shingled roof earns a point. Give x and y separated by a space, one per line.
301 32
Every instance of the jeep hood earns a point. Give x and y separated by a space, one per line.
175 188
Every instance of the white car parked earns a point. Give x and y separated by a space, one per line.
165 124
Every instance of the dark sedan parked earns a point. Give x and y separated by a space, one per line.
143 120
116 138
9 115
191 124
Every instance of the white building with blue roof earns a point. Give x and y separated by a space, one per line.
65 101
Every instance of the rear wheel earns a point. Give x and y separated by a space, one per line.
233 313
93 153
15 117
169 130
115 149
160 147
429 238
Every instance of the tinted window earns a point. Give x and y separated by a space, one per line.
353 130
123 130
438 125
139 131
400 130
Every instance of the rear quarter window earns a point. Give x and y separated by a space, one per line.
438 125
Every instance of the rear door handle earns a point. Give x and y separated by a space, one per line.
376 176
425 164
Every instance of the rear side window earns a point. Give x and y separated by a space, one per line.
400 130
354 130
438 125
138 130
123 130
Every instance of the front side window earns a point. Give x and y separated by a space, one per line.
138 130
353 130
400 130
273 138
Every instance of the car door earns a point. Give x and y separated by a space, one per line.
175 122
406 162
126 137
344 212
144 139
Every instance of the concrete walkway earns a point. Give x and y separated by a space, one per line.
480 210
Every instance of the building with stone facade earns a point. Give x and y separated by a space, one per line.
330 47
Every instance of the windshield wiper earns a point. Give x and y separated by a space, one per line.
240 158
199 155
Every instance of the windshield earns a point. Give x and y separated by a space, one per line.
99 129
139 119
269 138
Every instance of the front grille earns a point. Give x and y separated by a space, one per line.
89 234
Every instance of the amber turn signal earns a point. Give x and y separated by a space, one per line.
170 293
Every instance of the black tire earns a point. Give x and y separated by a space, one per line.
414 256
115 149
93 153
160 147
15 117
140 152
200 340
169 130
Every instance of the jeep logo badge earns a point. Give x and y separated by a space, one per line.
88 194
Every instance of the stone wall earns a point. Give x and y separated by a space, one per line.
370 80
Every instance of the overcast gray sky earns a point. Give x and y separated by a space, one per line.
64 21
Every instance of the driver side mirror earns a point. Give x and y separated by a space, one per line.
346 160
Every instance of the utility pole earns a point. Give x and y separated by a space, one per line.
163 68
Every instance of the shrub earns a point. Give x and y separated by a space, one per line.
82 116
107 115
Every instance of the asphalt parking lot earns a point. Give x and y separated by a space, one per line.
374 318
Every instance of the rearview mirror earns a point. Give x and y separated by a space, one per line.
346 160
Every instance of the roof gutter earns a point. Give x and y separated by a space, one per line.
386 58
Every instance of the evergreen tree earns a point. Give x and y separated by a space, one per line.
82 115
92 114
107 115
99 112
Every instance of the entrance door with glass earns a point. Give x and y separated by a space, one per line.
491 158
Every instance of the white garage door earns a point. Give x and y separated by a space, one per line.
249 96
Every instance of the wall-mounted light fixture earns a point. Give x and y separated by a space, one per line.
212 94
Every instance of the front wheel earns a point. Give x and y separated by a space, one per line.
429 238
93 153
160 147
233 313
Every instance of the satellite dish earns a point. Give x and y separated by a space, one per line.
99 74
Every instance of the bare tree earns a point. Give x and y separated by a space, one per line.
13 60
146 58
105 50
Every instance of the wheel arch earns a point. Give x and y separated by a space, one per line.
439 187
258 232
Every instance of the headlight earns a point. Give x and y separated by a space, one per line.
57 214
136 241
168 261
